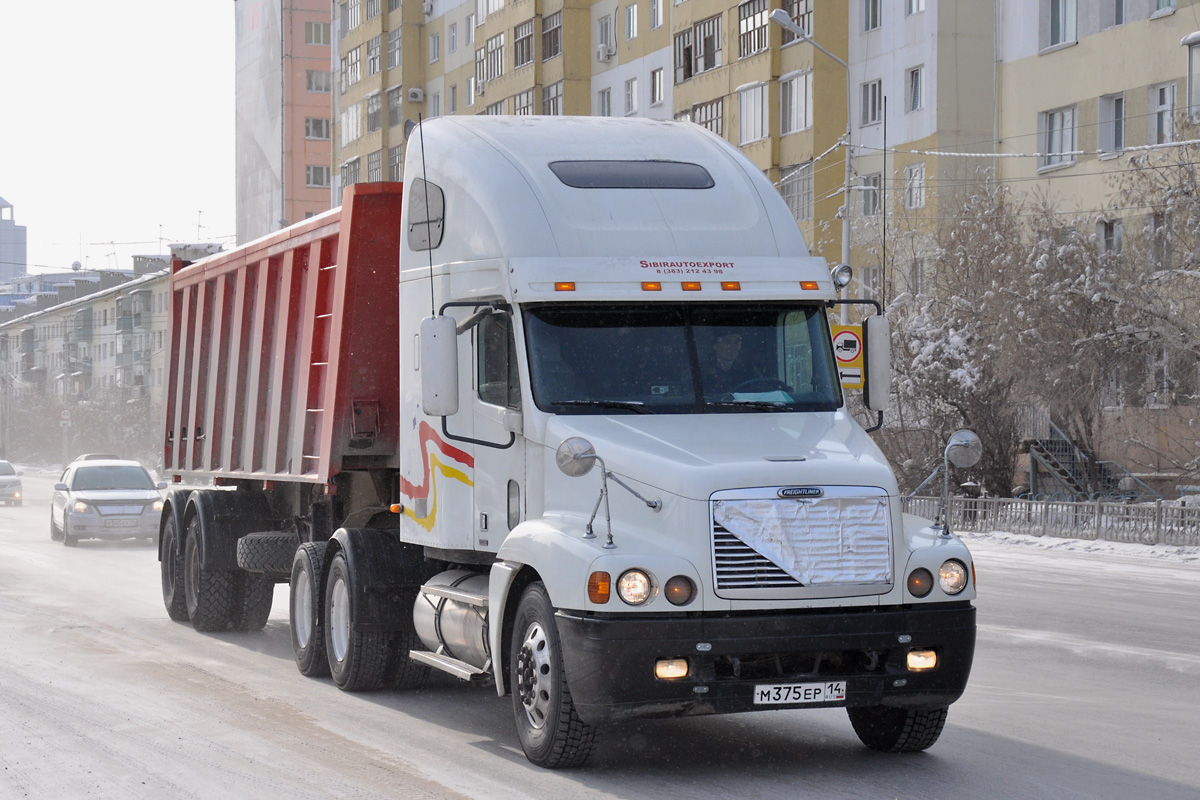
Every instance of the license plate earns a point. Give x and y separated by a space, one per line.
120 523
787 693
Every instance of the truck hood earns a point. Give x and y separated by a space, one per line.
693 456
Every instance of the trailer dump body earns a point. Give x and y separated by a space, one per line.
283 351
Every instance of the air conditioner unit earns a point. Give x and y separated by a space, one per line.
603 53
416 95
479 87
427 7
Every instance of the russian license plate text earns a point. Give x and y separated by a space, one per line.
784 693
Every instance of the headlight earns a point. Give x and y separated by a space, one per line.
157 505
920 582
634 587
952 577
80 507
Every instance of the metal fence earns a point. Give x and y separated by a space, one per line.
1146 523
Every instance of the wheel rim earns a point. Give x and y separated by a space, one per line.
339 618
535 677
302 616
168 564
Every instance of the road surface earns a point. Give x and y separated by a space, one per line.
1086 685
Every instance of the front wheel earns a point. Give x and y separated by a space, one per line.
551 732
68 538
55 531
897 730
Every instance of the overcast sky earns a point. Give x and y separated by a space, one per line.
116 127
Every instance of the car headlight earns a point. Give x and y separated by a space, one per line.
80 507
952 577
634 587
157 505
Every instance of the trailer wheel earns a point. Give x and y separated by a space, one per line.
209 592
307 591
897 730
357 659
551 732
171 567
252 605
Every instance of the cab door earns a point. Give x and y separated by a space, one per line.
500 449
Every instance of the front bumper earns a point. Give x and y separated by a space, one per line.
94 526
610 660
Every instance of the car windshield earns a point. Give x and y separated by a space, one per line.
676 358
111 477
7 468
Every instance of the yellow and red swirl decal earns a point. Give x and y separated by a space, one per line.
432 463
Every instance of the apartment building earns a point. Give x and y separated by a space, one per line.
13 258
283 88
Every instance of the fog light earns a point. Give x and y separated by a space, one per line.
670 668
680 590
634 587
920 582
921 660
599 587
952 577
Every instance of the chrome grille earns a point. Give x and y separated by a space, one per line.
739 566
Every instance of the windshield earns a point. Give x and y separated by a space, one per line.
120 477
675 358
7 468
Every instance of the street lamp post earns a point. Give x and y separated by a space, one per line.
785 21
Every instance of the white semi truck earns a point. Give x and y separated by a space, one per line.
562 417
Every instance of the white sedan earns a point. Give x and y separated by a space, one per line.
105 499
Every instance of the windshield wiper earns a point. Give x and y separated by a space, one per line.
757 405
629 405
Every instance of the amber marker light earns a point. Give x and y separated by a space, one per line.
651 286
731 286
599 587
810 286
564 286
691 286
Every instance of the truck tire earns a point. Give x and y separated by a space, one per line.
897 730
171 567
252 605
209 592
551 732
304 612
269 552
358 660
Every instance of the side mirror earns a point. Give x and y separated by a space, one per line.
877 389
439 366
964 449
161 485
575 457
61 487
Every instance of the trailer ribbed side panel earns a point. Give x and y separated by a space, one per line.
284 351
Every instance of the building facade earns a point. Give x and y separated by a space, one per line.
13 257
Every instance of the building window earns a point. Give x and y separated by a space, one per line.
914 92
656 87
752 114
604 103
914 6
393 5
1112 123
351 69
552 36
523 44
872 102
916 276
452 37
435 104
1160 237
495 109
870 15
435 47
801 12
374 112
372 9
796 186
350 172
523 103
316 176
489 59
1062 21
1162 104
631 22
470 90
394 48
470 28
631 105
1059 137
710 115
604 32
656 14
795 103
374 58
452 108
683 56
707 41
316 128
316 33
552 100
375 167
752 27
1111 234
353 17
396 163
870 282
395 100
914 186
870 191
317 81
351 124
1118 15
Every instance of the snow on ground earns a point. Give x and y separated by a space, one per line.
1166 552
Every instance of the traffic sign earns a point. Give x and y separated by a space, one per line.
65 415
848 350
